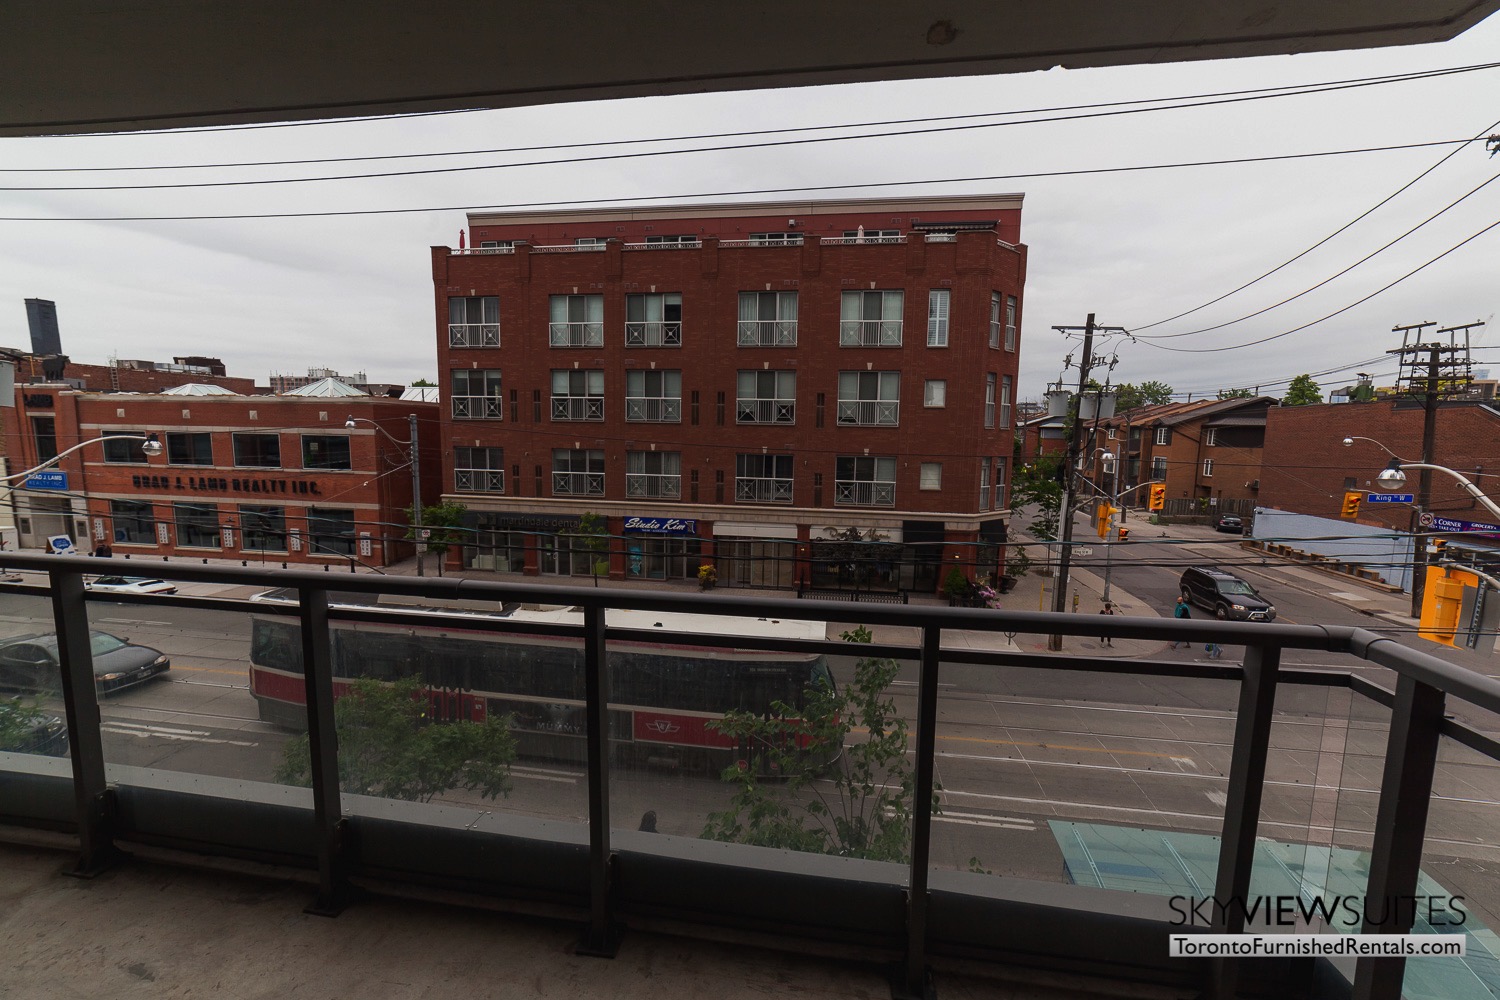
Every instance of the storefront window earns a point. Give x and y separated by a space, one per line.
330 532
262 529
496 551
197 525
134 522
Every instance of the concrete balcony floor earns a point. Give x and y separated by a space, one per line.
152 927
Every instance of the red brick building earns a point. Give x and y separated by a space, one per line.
264 478
731 383
1309 469
131 376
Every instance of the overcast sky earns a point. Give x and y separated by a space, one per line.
355 292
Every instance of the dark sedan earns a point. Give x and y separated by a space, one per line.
1230 522
30 663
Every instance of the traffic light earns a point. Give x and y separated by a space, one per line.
1436 548
1105 515
1351 504
1158 499
1442 603
1124 533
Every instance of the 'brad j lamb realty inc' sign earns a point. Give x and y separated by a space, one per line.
661 525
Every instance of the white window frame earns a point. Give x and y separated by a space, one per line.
935 393
753 485
930 476
859 329
1208 468
570 482
664 406
486 405
990 383
1158 469
864 481
471 477
664 482
1005 390
473 321
563 330
858 408
755 330
1211 437
984 484
646 331
939 308
1012 329
994 321
1163 436
569 405
778 408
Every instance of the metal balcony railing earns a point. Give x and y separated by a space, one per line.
473 334
870 333
478 408
653 334
653 484
478 481
578 484
575 334
870 412
577 408
654 409
765 411
864 493
758 489
768 333
1409 707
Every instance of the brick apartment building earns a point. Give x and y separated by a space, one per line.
1208 453
263 478
732 383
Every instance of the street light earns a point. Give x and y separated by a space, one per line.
149 445
416 476
1392 477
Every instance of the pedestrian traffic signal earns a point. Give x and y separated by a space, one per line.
1124 533
1158 499
1351 504
1437 547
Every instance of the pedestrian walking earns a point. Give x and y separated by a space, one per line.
1108 609
1213 649
1181 611
648 821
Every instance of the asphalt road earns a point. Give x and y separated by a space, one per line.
1015 749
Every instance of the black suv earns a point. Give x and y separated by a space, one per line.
1226 595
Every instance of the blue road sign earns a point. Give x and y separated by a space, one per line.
52 480
1390 497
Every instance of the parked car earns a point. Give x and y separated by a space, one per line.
30 663
1230 522
130 585
1226 595
30 730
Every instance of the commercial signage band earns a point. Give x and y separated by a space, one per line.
660 525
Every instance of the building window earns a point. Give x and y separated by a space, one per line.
873 235
197 525
262 528
860 481
984 484
1208 468
44 433
937 317
768 319
576 321
935 393
653 396
578 394
476 394
869 399
989 399
766 398
931 476
588 241
479 470
124 447
1011 328
330 531
688 240
134 522
1164 435
995 320
260 451
474 321
763 478
1158 469
871 319
656 474
1211 436
653 320
1005 381
1000 470
776 239
190 449
577 473
330 451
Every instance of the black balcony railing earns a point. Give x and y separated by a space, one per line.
914 910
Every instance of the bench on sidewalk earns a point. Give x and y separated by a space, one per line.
858 596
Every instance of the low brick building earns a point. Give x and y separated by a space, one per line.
265 478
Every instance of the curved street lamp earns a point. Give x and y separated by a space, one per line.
1392 477
149 445
416 475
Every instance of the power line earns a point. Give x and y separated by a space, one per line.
594 202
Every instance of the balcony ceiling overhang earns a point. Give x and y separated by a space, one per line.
112 65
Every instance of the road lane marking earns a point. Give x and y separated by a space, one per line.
1060 746
130 621
1087 767
148 733
543 774
211 670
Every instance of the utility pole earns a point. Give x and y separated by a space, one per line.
1070 457
1447 370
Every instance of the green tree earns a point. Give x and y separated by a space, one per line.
1036 485
860 806
389 747
444 524
1235 394
593 531
423 382
1129 396
1301 392
18 723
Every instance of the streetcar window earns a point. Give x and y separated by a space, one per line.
276 645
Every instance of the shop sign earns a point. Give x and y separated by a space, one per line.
660 526
225 484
